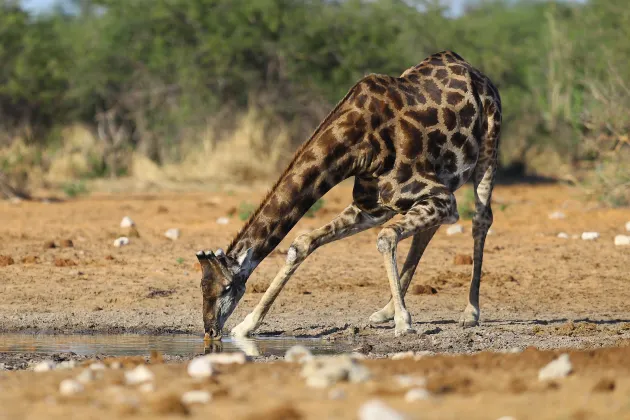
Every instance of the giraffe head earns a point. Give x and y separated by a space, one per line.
222 285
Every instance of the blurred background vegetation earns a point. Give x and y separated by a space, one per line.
226 89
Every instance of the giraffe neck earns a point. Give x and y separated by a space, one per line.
301 185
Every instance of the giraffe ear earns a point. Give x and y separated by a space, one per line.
244 258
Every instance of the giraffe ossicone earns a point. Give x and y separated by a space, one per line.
409 142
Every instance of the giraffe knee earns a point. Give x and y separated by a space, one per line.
299 249
386 240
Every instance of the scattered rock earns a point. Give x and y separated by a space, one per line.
126 222
377 410
49 245
563 235
417 394
66 243
70 387
153 292
138 375
196 397
6 260
173 234
604 385
30 259
423 289
590 236
123 240
200 367
461 259
44 366
557 215
622 240
227 358
364 348
223 221
558 368
64 262
454 229
298 354
323 371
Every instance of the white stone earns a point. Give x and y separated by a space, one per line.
87 376
298 353
226 358
173 234
324 371
423 353
563 235
223 221
622 240
196 397
378 410
116 365
200 367
558 368
44 366
590 236
123 240
70 387
97 366
557 215
402 355
126 222
66 364
138 375
454 229
407 381
628 226
417 394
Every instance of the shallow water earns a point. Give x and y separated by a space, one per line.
136 344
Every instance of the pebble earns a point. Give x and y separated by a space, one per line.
557 215
173 233
622 240
407 381
66 364
223 221
417 394
377 410
590 236
70 387
123 240
87 376
196 397
44 366
454 229
138 375
628 226
200 367
324 371
126 222
558 368
299 354
226 358
563 235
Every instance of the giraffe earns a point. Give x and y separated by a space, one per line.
409 142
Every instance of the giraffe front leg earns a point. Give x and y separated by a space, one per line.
418 245
352 220
427 213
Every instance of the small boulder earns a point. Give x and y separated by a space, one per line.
87 376
44 366
417 394
408 381
223 221
557 215
590 236
173 234
196 397
227 358
70 387
126 222
324 371
563 235
123 240
622 240
200 367
66 364
138 375
558 368
97 366
454 229
378 410
298 353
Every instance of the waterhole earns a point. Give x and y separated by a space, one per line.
176 345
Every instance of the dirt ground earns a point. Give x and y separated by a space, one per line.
537 291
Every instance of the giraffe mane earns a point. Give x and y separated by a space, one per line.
288 169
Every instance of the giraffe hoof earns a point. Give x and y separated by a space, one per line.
404 331
381 316
470 317
245 328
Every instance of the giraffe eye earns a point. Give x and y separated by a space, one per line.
227 289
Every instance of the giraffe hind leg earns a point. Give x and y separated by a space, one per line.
418 245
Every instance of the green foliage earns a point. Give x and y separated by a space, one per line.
74 189
315 207
466 207
245 210
180 260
